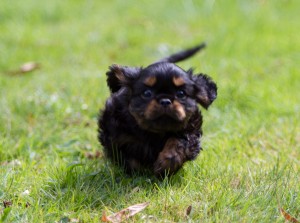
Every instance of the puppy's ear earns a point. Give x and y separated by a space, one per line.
119 76
205 90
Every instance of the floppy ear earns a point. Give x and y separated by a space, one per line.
205 90
119 76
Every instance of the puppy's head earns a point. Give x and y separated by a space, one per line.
162 97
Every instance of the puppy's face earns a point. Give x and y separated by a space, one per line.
162 96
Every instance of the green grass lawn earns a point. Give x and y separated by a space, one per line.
50 166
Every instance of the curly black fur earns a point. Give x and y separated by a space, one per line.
151 119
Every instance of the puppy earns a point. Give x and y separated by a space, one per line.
151 119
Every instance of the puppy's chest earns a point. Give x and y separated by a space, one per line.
149 139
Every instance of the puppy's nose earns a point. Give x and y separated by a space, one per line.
165 102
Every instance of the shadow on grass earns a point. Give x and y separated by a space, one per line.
99 184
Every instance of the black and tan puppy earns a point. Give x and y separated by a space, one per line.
152 119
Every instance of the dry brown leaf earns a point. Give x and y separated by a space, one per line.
27 205
125 213
25 68
7 204
29 66
287 216
188 210
104 217
91 155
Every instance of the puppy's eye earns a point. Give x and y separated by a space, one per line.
147 94
180 94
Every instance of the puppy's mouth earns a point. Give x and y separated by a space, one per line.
160 124
165 115
164 119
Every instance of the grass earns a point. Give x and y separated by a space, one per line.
250 163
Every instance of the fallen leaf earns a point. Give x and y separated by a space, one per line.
27 205
104 217
91 155
125 213
188 210
25 68
29 66
287 216
7 204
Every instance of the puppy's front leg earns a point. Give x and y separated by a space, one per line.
175 152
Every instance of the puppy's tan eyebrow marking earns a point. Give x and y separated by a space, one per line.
178 81
150 81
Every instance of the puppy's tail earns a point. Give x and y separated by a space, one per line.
182 55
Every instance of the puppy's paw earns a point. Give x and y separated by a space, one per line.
170 159
192 146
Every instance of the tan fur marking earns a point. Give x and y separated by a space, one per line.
178 81
150 81
119 73
180 112
150 110
203 98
